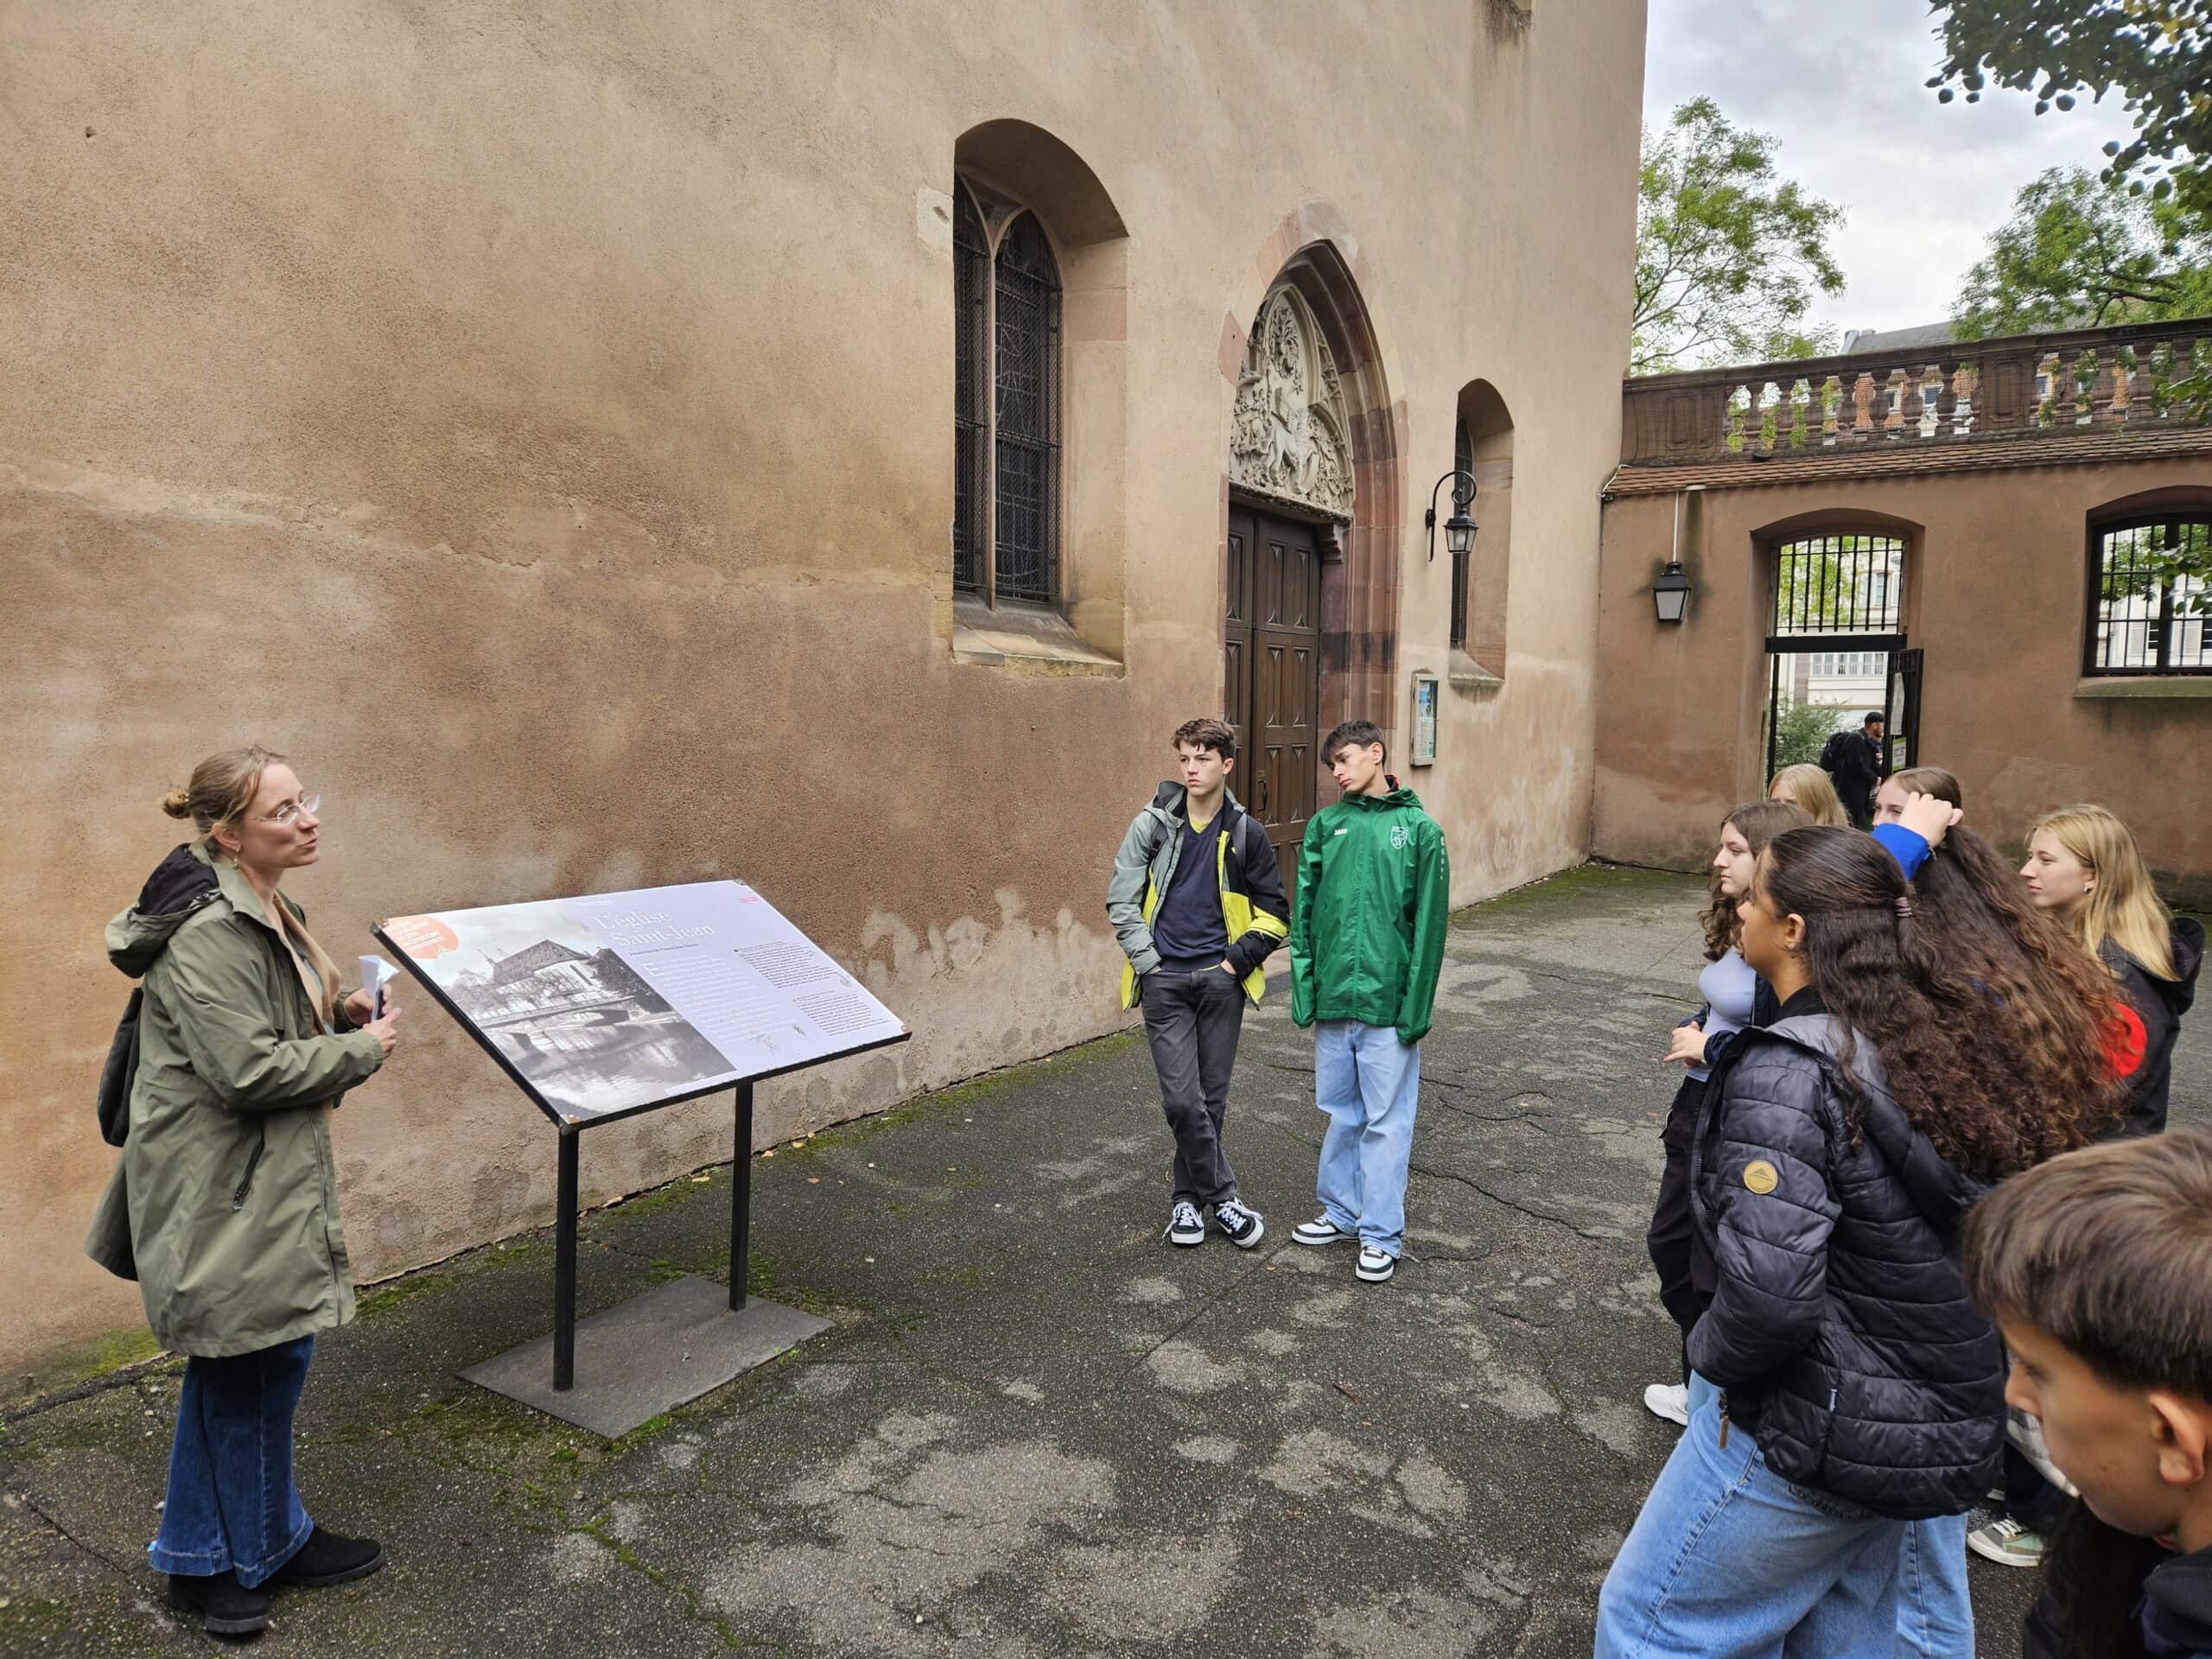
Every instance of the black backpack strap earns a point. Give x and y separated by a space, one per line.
119 1073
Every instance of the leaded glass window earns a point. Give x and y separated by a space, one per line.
1007 350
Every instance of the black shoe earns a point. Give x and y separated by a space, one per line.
227 1608
1243 1227
328 1559
1185 1226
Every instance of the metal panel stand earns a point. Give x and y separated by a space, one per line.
659 1350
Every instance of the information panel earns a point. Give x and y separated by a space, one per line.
609 1004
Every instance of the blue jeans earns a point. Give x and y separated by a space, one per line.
1728 1560
232 1506
1934 1613
1368 1083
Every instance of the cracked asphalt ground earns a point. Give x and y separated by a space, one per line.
1035 1428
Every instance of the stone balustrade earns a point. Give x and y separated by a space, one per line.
2023 388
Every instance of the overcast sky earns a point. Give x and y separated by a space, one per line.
1842 87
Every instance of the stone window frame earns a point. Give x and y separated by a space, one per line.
1018 167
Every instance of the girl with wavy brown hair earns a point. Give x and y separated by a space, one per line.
1730 991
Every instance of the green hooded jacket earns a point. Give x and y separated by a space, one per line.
224 1204
1374 899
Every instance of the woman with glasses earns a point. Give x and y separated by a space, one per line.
223 1206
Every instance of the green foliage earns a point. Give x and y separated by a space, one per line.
2081 252
1728 259
1801 733
2156 54
2176 556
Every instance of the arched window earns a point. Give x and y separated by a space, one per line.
1007 368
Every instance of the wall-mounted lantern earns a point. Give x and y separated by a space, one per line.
1458 529
1670 594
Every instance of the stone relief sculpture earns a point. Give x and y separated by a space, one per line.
1286 434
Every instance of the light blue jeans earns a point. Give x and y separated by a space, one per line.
1368 1083
1728 1560
1935 1612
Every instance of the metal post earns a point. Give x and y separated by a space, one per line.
741 1199
564 1269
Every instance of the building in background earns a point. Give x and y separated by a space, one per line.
830 445
2007 569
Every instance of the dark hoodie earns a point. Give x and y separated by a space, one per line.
1839 1331
2160 1003
2177 1602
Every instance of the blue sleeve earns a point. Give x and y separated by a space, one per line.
1902 844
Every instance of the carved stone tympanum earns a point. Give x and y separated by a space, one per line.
1286 437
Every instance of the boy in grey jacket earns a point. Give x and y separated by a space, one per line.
1197 901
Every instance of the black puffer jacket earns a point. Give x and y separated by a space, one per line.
2161 1003
1839 1331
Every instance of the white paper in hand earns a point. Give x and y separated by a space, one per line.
375 973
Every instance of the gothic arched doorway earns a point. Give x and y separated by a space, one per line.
1310 632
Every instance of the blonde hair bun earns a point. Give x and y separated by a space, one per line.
177 802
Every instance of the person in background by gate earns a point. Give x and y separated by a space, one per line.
1853 761
1805 787
1366 947
224 1205
1733 1001
1196 899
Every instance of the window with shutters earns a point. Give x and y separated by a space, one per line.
1008 368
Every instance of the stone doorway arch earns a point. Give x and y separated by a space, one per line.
1313 508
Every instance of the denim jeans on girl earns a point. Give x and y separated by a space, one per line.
231 1504
1368 1083
1934 1613
1728 1560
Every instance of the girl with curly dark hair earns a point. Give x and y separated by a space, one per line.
1844 1387
1730 991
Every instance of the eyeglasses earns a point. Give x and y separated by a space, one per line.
292 810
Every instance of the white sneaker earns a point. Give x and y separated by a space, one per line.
1321 1231
2007 1543
1374 1266
1670 1401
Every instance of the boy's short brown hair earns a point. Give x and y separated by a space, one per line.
2108 1249
1208 733
1352 735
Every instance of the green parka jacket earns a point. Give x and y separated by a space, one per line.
1374 900
224 1204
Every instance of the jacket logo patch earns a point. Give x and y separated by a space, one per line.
1346 831
1760 1177
1400 836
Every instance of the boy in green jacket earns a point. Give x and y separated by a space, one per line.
1366 945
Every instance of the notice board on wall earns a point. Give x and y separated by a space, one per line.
614 1003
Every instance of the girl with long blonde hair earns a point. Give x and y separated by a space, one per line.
2084 869
1812 791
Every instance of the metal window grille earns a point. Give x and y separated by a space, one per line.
2149 597
971 298
1463 460
1834 584
1026 362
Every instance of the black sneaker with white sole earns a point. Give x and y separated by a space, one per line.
1321 1231
1243 1227
1374 1266
1184 1226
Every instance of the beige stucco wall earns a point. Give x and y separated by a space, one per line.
537 422
1996 587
